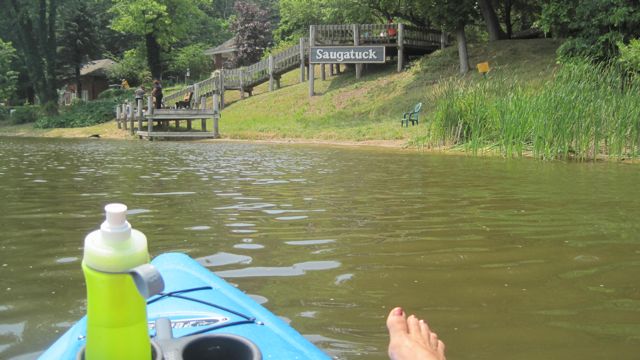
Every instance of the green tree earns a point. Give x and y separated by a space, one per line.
594 27
297 15
453 16
491 20
8 77
78 39
253 32
132 66
191 57
412 11
160 22
35 24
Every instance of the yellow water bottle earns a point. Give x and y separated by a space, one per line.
116 311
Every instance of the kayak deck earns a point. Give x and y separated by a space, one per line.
196 301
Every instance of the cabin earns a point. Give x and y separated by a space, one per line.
93 81
223 54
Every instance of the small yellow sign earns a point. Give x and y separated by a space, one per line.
483 68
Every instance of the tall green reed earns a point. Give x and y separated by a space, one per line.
583 112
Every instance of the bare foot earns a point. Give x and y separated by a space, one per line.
411 338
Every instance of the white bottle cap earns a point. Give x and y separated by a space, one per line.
116 227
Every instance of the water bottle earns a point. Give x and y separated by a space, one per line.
116 311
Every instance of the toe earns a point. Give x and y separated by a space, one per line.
396 322
413 325
433 340
424 330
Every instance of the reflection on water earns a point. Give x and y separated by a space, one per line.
518 257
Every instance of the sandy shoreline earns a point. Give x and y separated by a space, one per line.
110 131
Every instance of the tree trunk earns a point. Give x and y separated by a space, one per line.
491 19
462 48
153 56
36 31
50 54
507 18
78 82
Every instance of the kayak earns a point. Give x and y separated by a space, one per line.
201 316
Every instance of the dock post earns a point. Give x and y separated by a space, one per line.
131 118
196 91
356 42
125 112
400 47
216 116
118 116
241 70
222 89
301 60
139 114
149 114
203 106
271 79
312 42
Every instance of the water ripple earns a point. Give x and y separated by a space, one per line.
295 270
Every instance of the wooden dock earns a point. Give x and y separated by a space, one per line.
128 116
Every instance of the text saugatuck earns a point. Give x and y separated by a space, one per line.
346 55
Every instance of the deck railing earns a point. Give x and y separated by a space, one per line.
178 95
289 59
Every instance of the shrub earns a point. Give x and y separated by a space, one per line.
79 114
24 114
630 56
4 113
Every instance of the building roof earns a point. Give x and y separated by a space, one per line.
226 47
96 67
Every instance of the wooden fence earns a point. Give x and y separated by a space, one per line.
244 79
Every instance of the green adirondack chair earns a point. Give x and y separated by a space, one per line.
411 116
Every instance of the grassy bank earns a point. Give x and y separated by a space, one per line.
370 109
583 112
528 105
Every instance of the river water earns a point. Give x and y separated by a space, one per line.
506 259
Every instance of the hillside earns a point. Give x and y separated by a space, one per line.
370 109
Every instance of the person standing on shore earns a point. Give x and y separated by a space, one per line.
139 93
157 93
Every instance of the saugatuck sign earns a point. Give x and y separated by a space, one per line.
346 54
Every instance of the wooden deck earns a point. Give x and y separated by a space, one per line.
129 115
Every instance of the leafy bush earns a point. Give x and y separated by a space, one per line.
24 114
4 113
630 56
80 114
132 67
